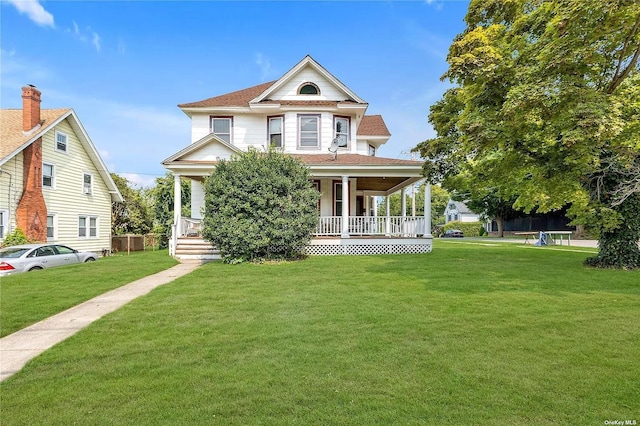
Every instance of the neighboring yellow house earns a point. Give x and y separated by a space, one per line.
53 183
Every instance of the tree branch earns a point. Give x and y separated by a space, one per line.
618 77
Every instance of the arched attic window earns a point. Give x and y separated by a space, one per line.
308 88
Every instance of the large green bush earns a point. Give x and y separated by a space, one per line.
470 229
260 206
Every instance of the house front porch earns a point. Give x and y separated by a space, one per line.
366 235
354 214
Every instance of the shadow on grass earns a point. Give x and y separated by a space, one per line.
477 269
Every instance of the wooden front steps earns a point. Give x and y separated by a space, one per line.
196 248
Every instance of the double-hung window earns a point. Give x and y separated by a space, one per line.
61 141
4 216
308 131
51 230
341 131
87 184
47 175
275 131
222 127
88 226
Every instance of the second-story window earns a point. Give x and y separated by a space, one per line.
61 142
341 131
222 127
47 175
87 186
275 131
372 150
308 131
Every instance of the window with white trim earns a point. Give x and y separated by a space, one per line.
341 131
372 150
87 184
275 131
51 227
222 128
337 198
308 131
4 218
47 175
61 141
88 226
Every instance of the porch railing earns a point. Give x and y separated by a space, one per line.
332 225
372 225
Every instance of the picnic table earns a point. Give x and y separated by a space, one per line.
555 234
528 236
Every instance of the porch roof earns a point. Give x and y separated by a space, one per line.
376 175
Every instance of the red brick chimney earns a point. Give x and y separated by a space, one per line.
31 212
30 107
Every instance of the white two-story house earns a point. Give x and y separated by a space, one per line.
309 114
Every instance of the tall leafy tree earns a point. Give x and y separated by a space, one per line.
162 196
546 108
133 215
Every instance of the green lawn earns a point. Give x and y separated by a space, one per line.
469 334
31 297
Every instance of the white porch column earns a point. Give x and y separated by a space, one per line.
403 197
177 204
346 195
427 210
413 200
403 203
388 213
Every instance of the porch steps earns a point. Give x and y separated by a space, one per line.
196 248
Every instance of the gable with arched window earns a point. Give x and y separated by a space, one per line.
308 88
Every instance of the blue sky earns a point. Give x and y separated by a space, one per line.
124 66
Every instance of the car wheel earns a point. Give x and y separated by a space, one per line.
35 268
89 259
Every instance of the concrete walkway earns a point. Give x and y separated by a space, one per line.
20 347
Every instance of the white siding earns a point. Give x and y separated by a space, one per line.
289 91
11 189
67 199
209 152
197 199
200 126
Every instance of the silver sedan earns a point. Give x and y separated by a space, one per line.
31 257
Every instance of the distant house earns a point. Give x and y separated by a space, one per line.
457 211
311 115
53 183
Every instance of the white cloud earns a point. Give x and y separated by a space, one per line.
265 66
437 4
15 72
94 37
34 10
139 181
95 40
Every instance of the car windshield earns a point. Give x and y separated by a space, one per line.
13 252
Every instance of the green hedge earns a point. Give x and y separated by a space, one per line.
470 229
